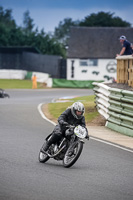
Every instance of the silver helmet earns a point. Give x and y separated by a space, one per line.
77 106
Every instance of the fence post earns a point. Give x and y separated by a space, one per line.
125 69
130 70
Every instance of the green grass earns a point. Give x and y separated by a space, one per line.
91 113
17 84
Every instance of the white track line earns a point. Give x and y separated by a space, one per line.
42 114
114 145
93 138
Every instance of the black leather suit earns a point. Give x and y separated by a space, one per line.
67 116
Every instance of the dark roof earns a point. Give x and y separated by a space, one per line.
14 50
96 42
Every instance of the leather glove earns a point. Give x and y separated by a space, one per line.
65 124
87 137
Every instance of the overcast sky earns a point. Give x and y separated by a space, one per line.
48 13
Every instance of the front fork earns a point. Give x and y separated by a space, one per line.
73 142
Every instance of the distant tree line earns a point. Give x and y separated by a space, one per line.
47 43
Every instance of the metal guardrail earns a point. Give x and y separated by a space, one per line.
116 106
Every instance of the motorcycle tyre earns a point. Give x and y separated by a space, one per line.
46 157
80 148
43 160
6 95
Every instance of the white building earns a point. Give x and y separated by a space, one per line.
92 51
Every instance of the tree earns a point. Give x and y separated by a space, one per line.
104 19
6 18
6 24
27 22
61 32
11 35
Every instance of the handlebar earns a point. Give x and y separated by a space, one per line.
70 126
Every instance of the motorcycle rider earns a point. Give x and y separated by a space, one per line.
73 115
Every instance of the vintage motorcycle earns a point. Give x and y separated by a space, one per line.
3 94
68 149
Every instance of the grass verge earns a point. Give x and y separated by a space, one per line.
91 114
18 84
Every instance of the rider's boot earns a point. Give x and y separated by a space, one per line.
54 138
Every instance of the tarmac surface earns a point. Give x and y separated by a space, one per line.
106 134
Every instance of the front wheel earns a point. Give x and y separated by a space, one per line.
43 157
6 95
71 158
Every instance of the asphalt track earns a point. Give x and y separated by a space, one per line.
102 172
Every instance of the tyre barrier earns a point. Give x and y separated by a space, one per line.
116 106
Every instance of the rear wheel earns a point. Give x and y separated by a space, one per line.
71 158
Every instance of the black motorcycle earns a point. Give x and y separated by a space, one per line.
3 94
68 149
